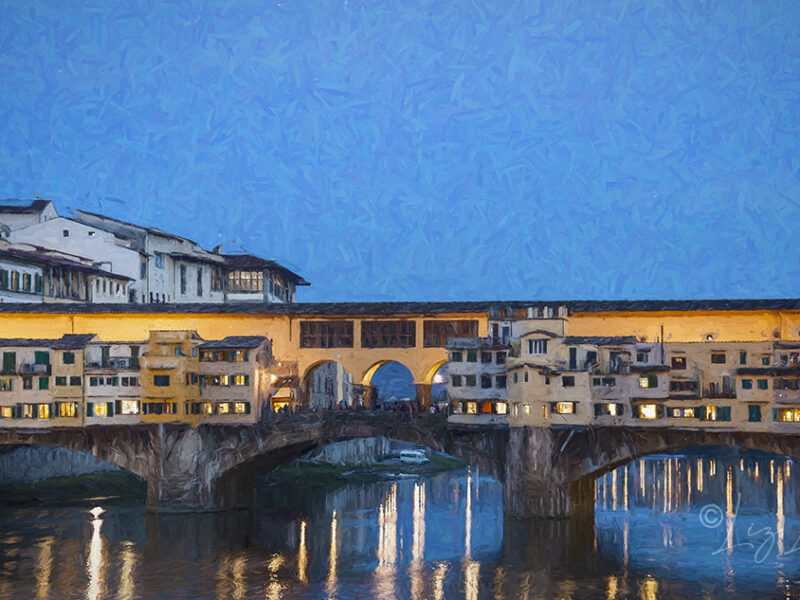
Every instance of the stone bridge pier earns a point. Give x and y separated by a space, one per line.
550 472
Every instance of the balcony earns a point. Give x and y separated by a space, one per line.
716 391
116 363
34 369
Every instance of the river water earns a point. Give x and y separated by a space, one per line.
707 525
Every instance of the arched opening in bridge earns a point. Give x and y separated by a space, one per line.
40 473
328 386
436 378
392 382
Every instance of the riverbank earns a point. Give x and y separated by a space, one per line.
71 489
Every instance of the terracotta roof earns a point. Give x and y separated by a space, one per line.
66 342
41 258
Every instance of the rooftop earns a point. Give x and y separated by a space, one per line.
235 341
35 206
600 341
41 257
66 342
248 261
400 308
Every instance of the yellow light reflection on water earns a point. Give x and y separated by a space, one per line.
439 573
772 471
468 520
625 488
700 475
302 555
729 492
385 572
471 578
641 477
614 489
648 589
418 544
274 586
95 563
333 558
613 588
127 584
44 567
779 512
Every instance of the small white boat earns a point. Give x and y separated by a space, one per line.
413 457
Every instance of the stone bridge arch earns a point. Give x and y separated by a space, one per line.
550 472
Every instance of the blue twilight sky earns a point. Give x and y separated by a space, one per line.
412 149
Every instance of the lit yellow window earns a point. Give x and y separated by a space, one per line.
208 409
789 415
5 412
612 409
223 408
129 407
565 408
472 408
224 380
238 380
711 413
239 408
501 408
43 411
27 411
67 409
100 409
648 411
688 412
526 408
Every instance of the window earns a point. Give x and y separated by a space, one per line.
642 357
9 362
500 358
763 384
766 360
61 381
100 409
44 383
537 346
564 408
568 381
742 357
612 409
471 380
178 350
15 280
718 413
486 381
42 411
6 412
75 380
183 279
27 383
223 408
596 381
388 334
486 357
472 356
38 283
160 262
754 413
245 281
129 407
26 282
199 281
500 381
647 411
241 408
683 413
68 358
90 233
747 384
486 408
515 378
436 333
65 232
682 386
501 408
6 385
161 380
240 380
648 381
41 357
216 280
678 362
67 409
526 378
786 415
718 358
456 357
456 380
326 334
94 381
471 408
3 279
27 411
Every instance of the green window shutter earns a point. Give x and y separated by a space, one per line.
90 409
247 379
53 411
41 357
774 414
724 413
10 362
652 381
110 409
753 413
174 408
44 383
597 410
247 408
118 407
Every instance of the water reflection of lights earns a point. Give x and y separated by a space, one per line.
700 475
418 543
44 567
613 588
386 570
127 584
779 512
468 520
625 488
274 586
614 489
648 590
333 558
471 577
95 566
302 555
439 573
